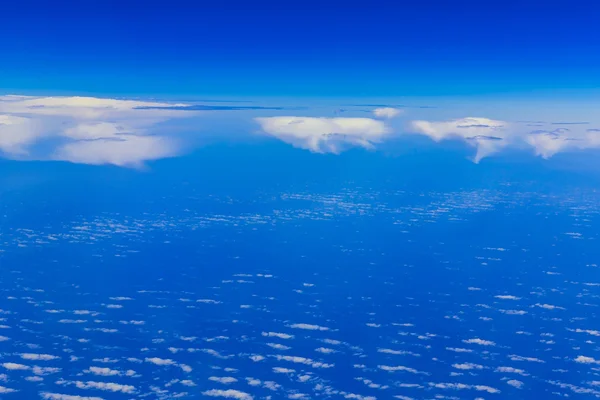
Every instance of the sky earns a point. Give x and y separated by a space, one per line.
129 83
290 49
299 199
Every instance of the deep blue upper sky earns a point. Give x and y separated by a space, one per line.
292 48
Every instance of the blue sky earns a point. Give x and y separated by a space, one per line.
129 83
308 48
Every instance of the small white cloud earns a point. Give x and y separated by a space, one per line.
160 361
480 342
586 360
107 386
515 383
38 357
15 367
228 394
103 371
387 112
58 396
325 135
309 327
278 335
5 390
223 379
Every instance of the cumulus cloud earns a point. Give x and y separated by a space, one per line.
386 112
325 135
86 129
490 136
486 135
587 360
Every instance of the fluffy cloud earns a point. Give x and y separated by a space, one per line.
490 136
86 129
486 135
325 135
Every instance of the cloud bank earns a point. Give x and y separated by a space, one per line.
86 129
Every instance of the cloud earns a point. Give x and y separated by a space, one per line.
490 136
387 112
309 327
15 366
160 361
58 396
228 394
480 342
87 130
586 360
325 135
486 135
38 357
126 150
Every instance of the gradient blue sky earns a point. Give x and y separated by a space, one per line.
325 77
299 48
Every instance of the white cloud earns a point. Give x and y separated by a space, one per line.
386 112
107 386
304 360
86 129
228 394
5 390
507 297
160 361
38 357
278 335
223 379
309 327
480 342
515 383
467 366
103 371
325 135
15 367
586 360
400 368
58 396
490 136
126 150
486 135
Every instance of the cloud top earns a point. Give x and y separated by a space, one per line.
491 136
325 135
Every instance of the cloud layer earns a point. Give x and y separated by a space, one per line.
128 133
